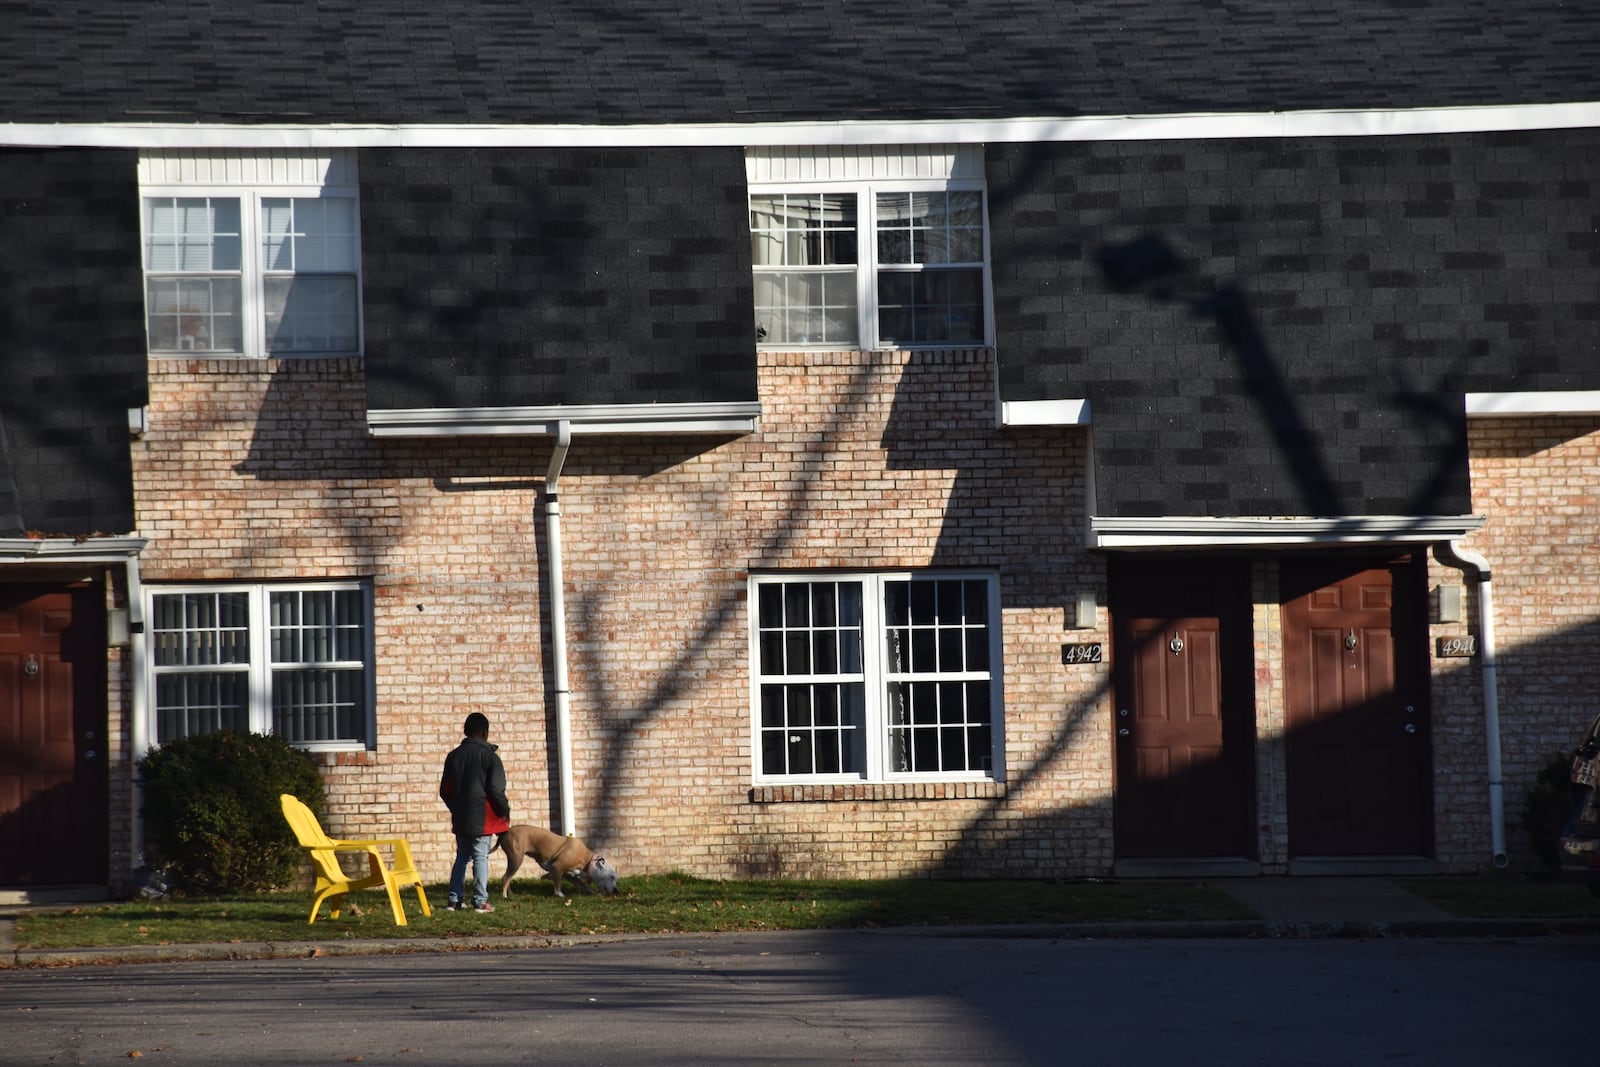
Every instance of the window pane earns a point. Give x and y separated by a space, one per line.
315 313
792 231
190 704
194 314
806 307
803 229
200 629
313 234
192 234
317 626
930 306
796 604
318 705
930 228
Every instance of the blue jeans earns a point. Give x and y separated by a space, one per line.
475 849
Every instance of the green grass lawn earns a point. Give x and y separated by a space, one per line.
1508 896
673 903
647 903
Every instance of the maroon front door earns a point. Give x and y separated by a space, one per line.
1355 675
1182 718
53 818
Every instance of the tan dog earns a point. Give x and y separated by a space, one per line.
557 855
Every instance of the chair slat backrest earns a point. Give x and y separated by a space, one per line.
303 821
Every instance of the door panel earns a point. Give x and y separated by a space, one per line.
53 817
1355 686
1182 723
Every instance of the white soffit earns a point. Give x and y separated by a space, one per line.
1199 126
732 418
1197 532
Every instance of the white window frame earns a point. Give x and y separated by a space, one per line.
250 180
875 678
258 669
866 174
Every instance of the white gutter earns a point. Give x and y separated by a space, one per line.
1172 531
1348 122
1452 554
732 417
558 626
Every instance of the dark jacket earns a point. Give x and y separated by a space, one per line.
474 787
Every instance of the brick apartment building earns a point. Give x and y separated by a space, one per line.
1034 440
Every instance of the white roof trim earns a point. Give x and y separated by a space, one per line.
1044 413
738 418
1075 412
1573 402
1387 122
1185 532
70 549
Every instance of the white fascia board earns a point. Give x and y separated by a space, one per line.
1044 413
70 549
1187 532
1554 402
1389 122
734 418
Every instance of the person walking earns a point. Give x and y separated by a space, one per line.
473 787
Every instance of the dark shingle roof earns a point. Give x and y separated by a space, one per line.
719 61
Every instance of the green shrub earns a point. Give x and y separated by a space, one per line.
1546 806
212 815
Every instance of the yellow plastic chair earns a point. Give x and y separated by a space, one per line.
332 882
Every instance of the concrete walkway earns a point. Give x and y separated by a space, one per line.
1316 900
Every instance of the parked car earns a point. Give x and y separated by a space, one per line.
1580 838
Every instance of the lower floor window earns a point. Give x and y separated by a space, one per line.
876 677
289 660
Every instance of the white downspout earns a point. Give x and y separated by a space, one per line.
558 625
138 706
1452 554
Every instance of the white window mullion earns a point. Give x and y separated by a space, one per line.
867 274
872 638
260 665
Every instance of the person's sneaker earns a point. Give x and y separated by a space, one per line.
485 906
452 905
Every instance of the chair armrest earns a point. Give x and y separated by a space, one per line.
402 848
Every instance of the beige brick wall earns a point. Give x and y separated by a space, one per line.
1538 482
264 471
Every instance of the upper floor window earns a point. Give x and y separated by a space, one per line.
864 249
251 256
888 677
292 660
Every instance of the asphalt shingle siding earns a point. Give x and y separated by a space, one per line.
527 277
662 61
1287 327
71 340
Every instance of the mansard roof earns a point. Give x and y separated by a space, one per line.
654 62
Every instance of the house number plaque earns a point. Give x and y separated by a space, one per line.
1089 652
1458 647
